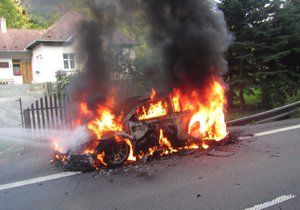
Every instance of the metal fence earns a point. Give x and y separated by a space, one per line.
267 116
49 112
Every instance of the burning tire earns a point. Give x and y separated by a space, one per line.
116 153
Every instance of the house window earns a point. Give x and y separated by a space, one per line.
69 61
4 65
16 68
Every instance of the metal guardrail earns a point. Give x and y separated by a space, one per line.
267 115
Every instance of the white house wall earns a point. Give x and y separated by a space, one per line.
6 74
18 79
47 60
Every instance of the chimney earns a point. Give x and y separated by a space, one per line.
3 25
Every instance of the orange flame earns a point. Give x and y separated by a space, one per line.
89 151
204 146
164 141
57 147
84 108
100 158
191 146
153 94
208 123
175 98
156 109
131 156
105 121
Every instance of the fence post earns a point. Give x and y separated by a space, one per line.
27 120
27 123
60 106
47 111
51 112
38 114
33 116
56 111
42 112
21 111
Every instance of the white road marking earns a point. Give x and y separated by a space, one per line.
272 202
37 180
245 137
66 174
277 130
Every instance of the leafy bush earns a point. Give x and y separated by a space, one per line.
63 79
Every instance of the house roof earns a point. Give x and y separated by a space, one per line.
67 27
17 39
64 29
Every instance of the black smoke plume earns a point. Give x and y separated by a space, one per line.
95 52
193 38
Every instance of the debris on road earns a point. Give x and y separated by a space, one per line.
218 153
275 155
143 174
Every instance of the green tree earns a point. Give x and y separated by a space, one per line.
15 15
243 18
278 53
81 6
265 53
18 16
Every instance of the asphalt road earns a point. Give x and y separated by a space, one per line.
263 170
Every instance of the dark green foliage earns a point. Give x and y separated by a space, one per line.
265 53
278 54
242 18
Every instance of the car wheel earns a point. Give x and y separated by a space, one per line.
116 153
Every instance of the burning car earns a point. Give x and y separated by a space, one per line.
158 125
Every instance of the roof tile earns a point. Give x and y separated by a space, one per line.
61 31
17 39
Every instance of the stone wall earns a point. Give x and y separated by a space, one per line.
11 90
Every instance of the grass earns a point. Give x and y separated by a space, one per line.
251 100
252 105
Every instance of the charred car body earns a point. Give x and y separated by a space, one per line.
151 125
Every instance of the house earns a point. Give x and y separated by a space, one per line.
34 56
15 59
